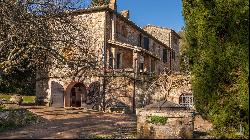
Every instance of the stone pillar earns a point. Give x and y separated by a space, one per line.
113 22
136 60
113 51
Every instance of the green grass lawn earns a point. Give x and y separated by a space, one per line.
26 99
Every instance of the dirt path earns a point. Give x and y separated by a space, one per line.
74 124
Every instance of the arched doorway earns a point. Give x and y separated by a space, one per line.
75 95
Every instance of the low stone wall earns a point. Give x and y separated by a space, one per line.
180 124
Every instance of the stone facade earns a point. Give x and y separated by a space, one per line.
119 47
169 37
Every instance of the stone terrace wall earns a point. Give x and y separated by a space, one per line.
179 124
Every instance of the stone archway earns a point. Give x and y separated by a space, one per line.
75 94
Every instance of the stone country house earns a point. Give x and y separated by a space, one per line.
122 47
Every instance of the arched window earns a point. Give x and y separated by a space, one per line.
186 100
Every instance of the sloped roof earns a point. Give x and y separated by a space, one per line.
165 28
163 104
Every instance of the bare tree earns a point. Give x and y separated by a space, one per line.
45 33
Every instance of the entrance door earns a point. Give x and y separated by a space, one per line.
75 95
57 94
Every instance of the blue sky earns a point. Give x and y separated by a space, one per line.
164 13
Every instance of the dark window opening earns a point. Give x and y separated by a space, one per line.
141 67
140 39
118 60
111 60
165 55
146 43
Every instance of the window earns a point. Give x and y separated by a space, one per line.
111 60
139 40
146 43
141 64
186 100
118 60
165 55
141 67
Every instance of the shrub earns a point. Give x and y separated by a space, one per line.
158 120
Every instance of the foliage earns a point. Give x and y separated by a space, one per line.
217 32
158 120
184 66
17 118
2 107
19 80
6 125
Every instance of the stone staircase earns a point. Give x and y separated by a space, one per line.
126 131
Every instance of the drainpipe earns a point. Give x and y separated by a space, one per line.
105 62
135 75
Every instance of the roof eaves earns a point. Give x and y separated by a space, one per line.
89 10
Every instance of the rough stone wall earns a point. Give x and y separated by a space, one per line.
131 36
109 17
180 124
89 47
119 93
160 33
168 37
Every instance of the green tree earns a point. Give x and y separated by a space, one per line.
217 32
184 46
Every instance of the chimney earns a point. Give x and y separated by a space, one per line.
125 13
113 5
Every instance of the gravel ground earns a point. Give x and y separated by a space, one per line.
60 123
